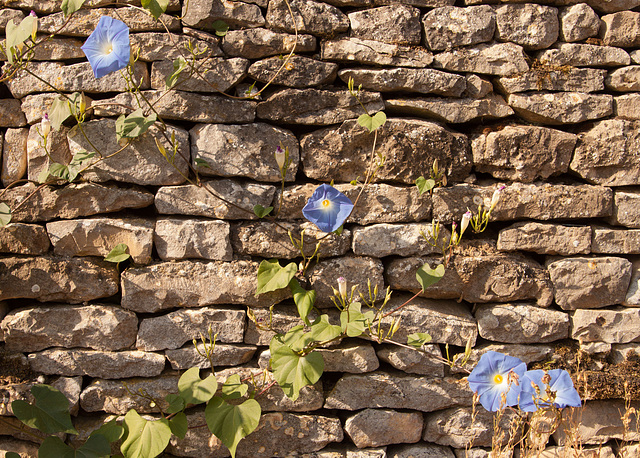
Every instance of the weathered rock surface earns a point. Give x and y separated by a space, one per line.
621 29
299 71
222 74
7 14
48 278
101 327
620 325
224 355
426 451
172 330
502 59
578 22
316 106
370 52
203 14
412 361
93 363
163 46
625 79
178 238
259 43
40 159
586 283
377 427
239 199
193 284
633 293
626 206
615 241
56 49
316 18
545 238
98 236
452 110
523 153
14 155
284 317
11 114
354 358
380 240
20 238
353 392
422 80
449 26
584 55
397 24
529 25
21 447
561 107
521 323
410 147
626 106
243 150
549 78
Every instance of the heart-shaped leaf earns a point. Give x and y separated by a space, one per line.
145 438
193 389
231 423
425 185
272 276
427 276
50 414
293 371
372 122
304 300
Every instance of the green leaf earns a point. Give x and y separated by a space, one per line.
293 371
71 6
59 112
179 425
5 214
155 7
294 339
50 414
18 34
59 171
260 211
220 27
233 388
353 321
418 339
145 438
134 124
118 254
194 390
176 403
231 423
78 163
372 122
425 185
322 330
111 430
272 276
304 300
427 276
12 455
203 163
53 447
178 66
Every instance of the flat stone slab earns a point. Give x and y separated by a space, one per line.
224 355
626 106
229 72
551 78
615 241
14 155
625 79
501 59
155 46
633 293
343 152
617 326
20 238
621 29
256 43
529 25
93 363
299 72
521 323
561 107
371 52
584 55
449 26
172 330
194 284
48 278
544 238
626 205
380 240
578 22
100 327
178 238
11 114
397 24
203 14
424 362
586 283
378 427
316 18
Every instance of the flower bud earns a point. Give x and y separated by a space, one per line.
45 125
34 27
465 222
342 287
280 157
496 197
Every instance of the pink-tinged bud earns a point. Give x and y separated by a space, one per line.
34 27
496 197
280 157
342 287
465 222
45 125
33 13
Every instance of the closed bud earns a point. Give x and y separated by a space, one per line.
45 125
465 222
342 287
496 197
280 157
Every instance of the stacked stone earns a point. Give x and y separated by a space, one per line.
539 98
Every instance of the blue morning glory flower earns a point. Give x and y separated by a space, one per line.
107 48
327 208
494 375
557 381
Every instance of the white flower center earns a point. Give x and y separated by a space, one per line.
107 48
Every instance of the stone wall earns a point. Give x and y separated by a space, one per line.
540 98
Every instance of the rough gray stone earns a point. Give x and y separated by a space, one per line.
179 238
615 241
370 52
611 6
561 107
578 22
529 25
11 114
380 240
627 106
172 330
417 3
14 155
100 327
617 326
378 427
193 284
48 279
354 358
203 14
52 6
184 106
243 150
547 77
21 447
544 238
585 283
353 392
521 323
452 110
56 49
259 43
22 238
626 208
316 18
625 79
316 106
449 26
224 355
500 59
239 199
343 152
621 29
523 153
424 451
164 46
584 55
72 201
426 362
624 352
422 80
93 363
222 75
633 293
7 15
98 236
477 87
299 71
40 159
270 240
70 78
396 24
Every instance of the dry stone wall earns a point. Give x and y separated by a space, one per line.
541 98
